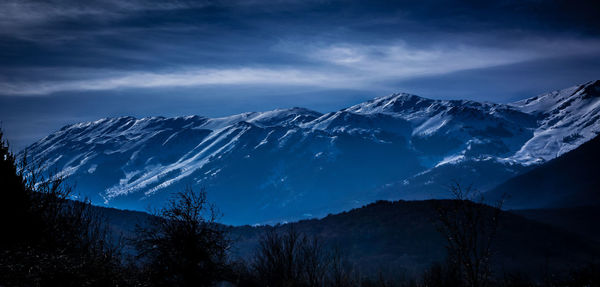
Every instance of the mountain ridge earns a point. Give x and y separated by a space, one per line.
294 163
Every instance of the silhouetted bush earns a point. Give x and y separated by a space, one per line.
293 259
183 245
283 259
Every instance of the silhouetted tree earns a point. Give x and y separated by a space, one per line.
16 202
277 260
442 275
341 273
47 239
469 227
293 259
183 245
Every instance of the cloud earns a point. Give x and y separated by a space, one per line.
403 61
326 66
26 13
195 77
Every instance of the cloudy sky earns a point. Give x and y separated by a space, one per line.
68 61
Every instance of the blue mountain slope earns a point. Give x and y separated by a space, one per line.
294 163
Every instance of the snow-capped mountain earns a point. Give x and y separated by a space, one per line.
289 163
567 119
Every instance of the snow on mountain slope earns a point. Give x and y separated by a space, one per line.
439 130
289 163
568 118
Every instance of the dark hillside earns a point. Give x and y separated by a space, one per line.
570 180
581 220
401 238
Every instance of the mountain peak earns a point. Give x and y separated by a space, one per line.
293 116
400 96
549 102
397 97
390 104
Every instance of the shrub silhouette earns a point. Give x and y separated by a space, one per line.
294 259
183 245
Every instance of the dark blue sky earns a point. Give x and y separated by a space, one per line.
70 61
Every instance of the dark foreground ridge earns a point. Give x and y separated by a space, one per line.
401 238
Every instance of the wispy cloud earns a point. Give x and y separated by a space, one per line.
25 14
196 77
401 61
332 66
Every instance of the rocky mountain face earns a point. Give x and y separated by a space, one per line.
295 163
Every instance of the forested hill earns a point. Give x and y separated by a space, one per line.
401 238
